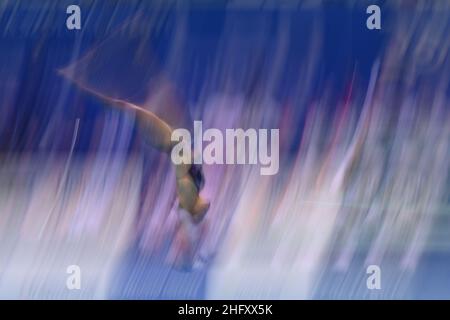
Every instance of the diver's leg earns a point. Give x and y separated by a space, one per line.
158 134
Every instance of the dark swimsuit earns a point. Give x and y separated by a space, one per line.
196 172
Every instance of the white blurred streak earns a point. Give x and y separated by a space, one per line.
59 212
370 179
34 266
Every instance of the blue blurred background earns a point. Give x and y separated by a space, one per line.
363 175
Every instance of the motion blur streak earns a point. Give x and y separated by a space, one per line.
364 123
